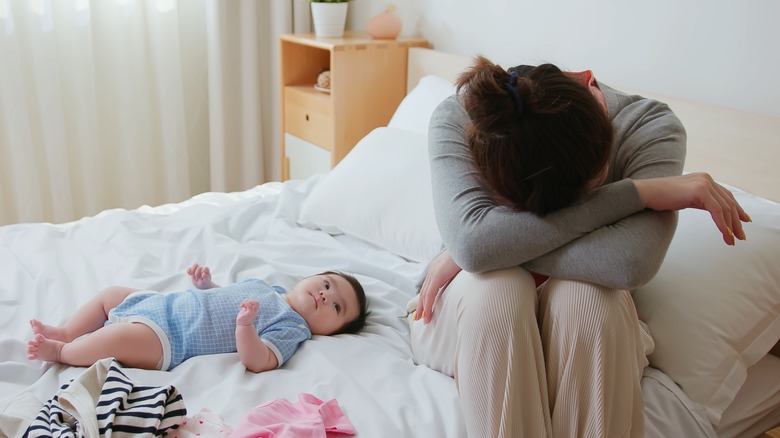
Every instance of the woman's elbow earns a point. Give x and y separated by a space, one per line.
468 256
472 265
635 271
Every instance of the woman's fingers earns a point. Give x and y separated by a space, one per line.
696 190
430 297
720 211
726 212
421 300
737 213
427 299
439 274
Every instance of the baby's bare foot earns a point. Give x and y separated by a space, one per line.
49 331
40 348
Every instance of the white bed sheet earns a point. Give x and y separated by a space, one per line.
756 408
50 270
669 412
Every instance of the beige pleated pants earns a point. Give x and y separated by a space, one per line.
565 361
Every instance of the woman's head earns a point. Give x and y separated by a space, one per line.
538 137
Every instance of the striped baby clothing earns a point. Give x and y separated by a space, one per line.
103 401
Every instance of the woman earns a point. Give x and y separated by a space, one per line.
556 196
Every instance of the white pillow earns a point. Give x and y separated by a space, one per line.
380 192
714 310
414 112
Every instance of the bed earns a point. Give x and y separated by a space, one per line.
714 310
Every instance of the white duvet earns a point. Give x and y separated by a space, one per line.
50 270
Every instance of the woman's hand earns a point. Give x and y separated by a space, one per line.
695 190
440 273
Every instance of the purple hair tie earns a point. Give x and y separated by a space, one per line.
516 99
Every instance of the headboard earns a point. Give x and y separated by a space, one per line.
738 148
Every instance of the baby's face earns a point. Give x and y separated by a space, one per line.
326 303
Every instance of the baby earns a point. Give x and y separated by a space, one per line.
152 330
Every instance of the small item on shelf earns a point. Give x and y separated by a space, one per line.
329 17
323 81
385 26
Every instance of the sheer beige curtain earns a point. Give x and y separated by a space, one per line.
121 103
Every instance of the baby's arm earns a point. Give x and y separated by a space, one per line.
254 354
201 277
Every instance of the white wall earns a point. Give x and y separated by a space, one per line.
725 52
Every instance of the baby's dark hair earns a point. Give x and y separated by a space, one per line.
537 136
358 323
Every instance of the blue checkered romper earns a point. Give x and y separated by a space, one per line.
197 322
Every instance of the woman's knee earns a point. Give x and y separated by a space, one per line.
476 313
585 304
504 297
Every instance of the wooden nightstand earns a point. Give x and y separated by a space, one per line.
774 433
368 81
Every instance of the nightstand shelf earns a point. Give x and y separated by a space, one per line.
368 81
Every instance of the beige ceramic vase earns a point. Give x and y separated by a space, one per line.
384 26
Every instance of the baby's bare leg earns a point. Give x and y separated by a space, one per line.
88 318
133 344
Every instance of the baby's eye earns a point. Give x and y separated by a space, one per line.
338 308
327 284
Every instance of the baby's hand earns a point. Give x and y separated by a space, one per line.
201 276
248 312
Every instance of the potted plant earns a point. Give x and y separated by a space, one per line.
330 17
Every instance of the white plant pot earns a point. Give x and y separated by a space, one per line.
329 19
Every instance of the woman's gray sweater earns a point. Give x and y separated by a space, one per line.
606 238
